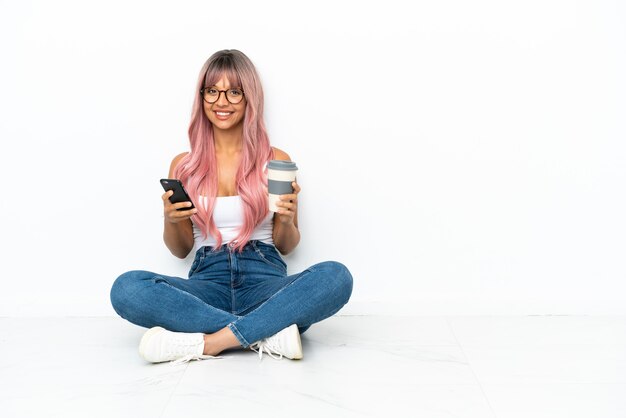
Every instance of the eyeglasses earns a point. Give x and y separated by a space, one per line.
212 95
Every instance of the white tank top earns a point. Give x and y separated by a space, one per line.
228 217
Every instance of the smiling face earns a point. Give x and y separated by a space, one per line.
224 115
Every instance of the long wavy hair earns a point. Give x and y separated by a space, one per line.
198 169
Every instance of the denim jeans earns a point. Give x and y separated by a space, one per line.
249 292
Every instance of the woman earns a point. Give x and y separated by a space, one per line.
238 293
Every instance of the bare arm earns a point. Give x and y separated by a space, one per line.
177 227
286 234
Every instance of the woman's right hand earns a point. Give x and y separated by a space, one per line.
171 212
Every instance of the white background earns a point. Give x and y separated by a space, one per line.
460 157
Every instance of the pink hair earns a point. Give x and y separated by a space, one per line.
198 169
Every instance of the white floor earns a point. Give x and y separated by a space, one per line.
353 366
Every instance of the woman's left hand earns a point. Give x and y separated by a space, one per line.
288 205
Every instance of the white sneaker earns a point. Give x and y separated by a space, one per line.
158 345
285 343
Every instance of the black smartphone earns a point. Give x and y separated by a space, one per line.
180 194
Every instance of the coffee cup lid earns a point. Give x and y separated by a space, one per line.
282 165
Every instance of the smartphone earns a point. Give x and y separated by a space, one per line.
180 194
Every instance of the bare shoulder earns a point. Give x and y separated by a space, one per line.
175 162
280 154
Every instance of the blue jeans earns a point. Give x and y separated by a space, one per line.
248 292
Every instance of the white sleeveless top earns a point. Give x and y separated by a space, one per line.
228 217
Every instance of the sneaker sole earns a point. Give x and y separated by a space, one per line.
144 342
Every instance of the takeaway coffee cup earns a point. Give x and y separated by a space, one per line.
280 174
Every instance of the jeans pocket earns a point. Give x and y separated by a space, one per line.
270 255
197 261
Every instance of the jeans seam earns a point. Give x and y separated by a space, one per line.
182 291
244 343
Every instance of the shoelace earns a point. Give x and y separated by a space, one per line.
189 357
266 346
